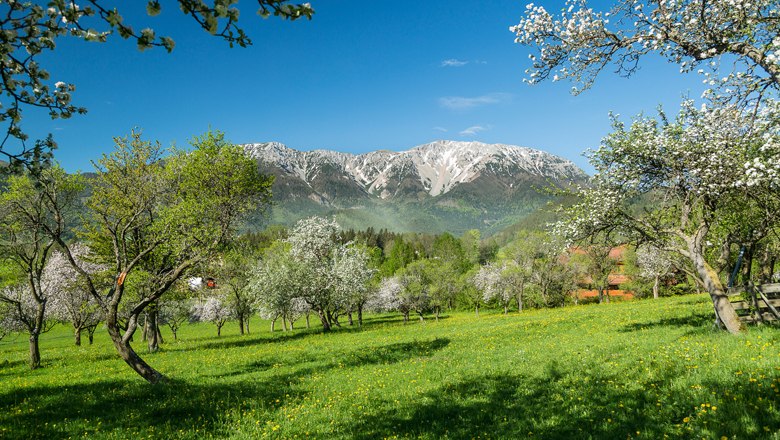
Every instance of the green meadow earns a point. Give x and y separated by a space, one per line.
640 369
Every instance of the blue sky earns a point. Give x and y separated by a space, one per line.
360 76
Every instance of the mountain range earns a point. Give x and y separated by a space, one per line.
436 187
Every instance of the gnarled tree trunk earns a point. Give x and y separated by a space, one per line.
724 311
127 353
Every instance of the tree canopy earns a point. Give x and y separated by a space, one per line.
581 41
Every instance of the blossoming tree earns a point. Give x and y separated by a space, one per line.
495 282
214 310
71 300
34 211
702 170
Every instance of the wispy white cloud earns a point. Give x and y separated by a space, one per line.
453 62
441 129
464 103
473 130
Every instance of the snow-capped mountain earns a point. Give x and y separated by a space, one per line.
436 187
439 166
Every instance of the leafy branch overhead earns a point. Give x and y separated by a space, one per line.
29 29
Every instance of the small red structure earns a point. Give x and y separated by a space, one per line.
211 283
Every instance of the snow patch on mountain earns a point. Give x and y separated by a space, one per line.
440 165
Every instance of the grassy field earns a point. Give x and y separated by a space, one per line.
642 369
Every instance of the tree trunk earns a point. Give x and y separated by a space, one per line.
159 331
324 319
767 266
273 325
77 336
145 328
91 333
360 316
219 330
506 308
724 311
438 311
246 324
241 324
308 324
406 317
35 352
601 296
476 311
284 322
129 355
349 318
520 296
151 332
422 319
656 282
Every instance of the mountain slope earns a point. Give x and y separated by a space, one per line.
440 186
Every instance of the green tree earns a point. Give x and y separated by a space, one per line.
162 217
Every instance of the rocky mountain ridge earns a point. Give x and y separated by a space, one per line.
440 165
436 187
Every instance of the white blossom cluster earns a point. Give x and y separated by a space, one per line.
70 299
313 272
598 206
711 150
21 308
579 42
714 152
214 310
493 283
388 297
653 262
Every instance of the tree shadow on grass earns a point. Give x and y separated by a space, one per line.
393 353
699 321
122 408
377 355
561 404
281 336
252 340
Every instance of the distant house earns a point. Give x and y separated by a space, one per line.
197 283
616 278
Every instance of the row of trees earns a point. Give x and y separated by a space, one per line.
151 217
